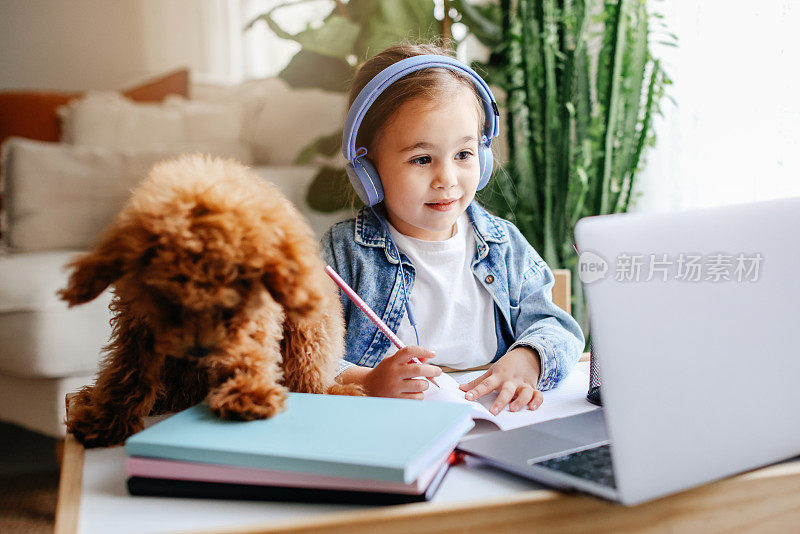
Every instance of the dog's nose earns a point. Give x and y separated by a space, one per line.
198 352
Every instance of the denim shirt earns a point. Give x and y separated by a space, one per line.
519 281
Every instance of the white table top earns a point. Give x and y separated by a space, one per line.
106 507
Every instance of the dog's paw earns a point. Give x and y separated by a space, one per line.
242 402
346 389
94 426
97 434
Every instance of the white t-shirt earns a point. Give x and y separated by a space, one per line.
455 313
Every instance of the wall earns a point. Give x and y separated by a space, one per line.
97 44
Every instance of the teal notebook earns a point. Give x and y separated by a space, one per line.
332 435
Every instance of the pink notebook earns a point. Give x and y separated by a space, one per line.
177 470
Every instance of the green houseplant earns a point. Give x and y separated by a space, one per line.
578 120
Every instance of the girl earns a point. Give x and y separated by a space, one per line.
480 293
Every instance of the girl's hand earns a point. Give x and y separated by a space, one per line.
395 377
515 376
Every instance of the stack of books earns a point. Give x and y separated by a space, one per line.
321 448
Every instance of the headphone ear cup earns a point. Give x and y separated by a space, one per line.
365 180
486 161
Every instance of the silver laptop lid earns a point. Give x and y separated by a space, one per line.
695 323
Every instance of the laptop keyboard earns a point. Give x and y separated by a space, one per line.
592 464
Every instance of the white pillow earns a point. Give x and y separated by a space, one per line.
59 196
280 121
293 181
107 119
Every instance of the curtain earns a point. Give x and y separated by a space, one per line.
232 55
734 135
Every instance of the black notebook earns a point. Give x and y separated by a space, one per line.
162 487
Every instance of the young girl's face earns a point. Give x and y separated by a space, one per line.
427 157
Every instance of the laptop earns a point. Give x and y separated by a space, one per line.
694 321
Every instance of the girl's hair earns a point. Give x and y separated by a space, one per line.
423 83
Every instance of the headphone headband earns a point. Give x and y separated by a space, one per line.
398 70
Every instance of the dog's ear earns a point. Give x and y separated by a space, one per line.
94 271
294 275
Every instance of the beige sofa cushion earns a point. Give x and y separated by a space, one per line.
41 336
107 119
59 196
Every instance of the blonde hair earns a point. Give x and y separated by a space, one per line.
422 83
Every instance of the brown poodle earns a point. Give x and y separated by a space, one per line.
219 293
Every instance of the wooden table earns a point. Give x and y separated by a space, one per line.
765 500
471 500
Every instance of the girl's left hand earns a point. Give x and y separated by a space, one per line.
515 376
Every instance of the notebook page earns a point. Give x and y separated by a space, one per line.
569 398
448 391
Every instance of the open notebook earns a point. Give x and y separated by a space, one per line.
569 398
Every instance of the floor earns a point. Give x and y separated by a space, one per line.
28 481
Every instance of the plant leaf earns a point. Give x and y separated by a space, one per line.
388 22
484 22
329 191
327 145
335 38
312 70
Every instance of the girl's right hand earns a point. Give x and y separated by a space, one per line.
395 377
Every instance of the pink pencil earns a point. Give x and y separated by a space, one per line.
368 311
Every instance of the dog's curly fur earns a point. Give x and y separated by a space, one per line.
219 293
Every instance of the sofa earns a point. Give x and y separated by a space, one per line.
58 195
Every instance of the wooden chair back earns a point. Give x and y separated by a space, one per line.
562 289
